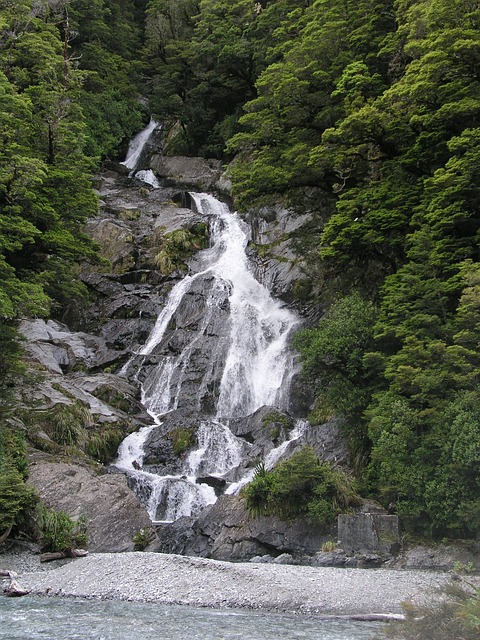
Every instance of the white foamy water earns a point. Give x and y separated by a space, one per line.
147 176
137 145
256 363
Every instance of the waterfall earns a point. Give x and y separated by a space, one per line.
249 364
135 150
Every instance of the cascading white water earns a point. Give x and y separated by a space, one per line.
137 145
147 176
257 364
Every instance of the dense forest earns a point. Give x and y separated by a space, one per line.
365 113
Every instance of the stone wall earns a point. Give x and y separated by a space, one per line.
362 533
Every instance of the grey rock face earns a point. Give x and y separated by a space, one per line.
226 531
196 173
71 361
443 556
329 443
113 512
369 533
59 350
278 266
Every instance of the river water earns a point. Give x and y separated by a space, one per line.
31 618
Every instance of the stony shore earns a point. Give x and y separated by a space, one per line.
172 579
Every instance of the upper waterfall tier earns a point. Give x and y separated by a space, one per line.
220 344
137 145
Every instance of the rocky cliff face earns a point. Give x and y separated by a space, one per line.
80 360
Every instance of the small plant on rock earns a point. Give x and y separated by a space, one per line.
182 439
328 546
142 538
58 531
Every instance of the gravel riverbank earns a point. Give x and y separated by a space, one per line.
172 579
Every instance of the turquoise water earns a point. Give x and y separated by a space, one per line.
31 618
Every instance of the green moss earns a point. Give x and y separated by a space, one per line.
179 245
182 439
277 418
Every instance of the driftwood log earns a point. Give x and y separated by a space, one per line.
59 555
366 617
14 590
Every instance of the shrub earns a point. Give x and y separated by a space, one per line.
300 486
142 538
66 423
16 500
59 531
455 616
103 446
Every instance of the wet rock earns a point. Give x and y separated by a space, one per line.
199 326
226 531
218 484
265 429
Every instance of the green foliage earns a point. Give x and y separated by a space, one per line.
58 531
376 104
103 445
205 56
17 499
454 616
142 538
178 245
300 486
333 357
183 438
66 424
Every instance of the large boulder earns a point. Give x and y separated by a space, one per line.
112 510
58 349
226 531
196 173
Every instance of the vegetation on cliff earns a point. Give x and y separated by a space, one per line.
377 103
67 100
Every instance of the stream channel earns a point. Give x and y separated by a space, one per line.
31 618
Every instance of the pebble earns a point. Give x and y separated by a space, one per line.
169 579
